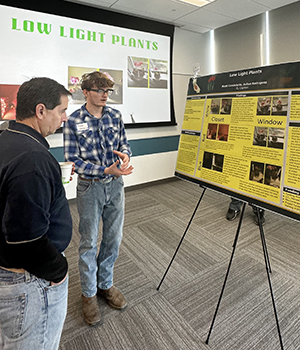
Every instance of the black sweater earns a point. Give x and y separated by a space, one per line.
35 220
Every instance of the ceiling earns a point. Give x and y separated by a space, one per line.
189 17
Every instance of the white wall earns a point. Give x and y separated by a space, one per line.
285 33
237 46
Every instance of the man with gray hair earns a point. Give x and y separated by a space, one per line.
36 224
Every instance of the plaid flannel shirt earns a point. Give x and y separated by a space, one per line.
89 141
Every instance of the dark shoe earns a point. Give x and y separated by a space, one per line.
91 311
232 214
113 297
261 213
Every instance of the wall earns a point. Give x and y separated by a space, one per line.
237 46
284 37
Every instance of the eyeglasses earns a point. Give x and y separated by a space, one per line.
102 91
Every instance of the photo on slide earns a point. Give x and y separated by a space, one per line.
147 73
8 101
138 72
158 74
75 74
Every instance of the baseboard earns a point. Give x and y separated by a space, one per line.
144 185
152 183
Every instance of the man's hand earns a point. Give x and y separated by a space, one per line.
62 281
125 168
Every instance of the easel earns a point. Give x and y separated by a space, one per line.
266 257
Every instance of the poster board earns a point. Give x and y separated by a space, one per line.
241 136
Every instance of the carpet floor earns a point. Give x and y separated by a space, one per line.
180 313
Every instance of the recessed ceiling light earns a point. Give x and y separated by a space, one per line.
199 3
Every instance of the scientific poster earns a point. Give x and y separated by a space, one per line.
241 136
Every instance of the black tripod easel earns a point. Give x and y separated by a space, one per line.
266 258
182 238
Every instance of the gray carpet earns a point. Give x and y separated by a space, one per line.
179 315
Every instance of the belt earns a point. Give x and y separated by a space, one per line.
89 180
104 181
13 270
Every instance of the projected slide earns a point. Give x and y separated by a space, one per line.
241 133
35 44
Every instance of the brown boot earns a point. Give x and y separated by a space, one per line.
113 297
91 311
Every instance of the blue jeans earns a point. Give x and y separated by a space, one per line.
235 204
32 313
96 200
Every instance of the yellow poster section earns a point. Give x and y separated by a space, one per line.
193 114
295 108
291 199
187 152
242 146
189 140
292 174
291 194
